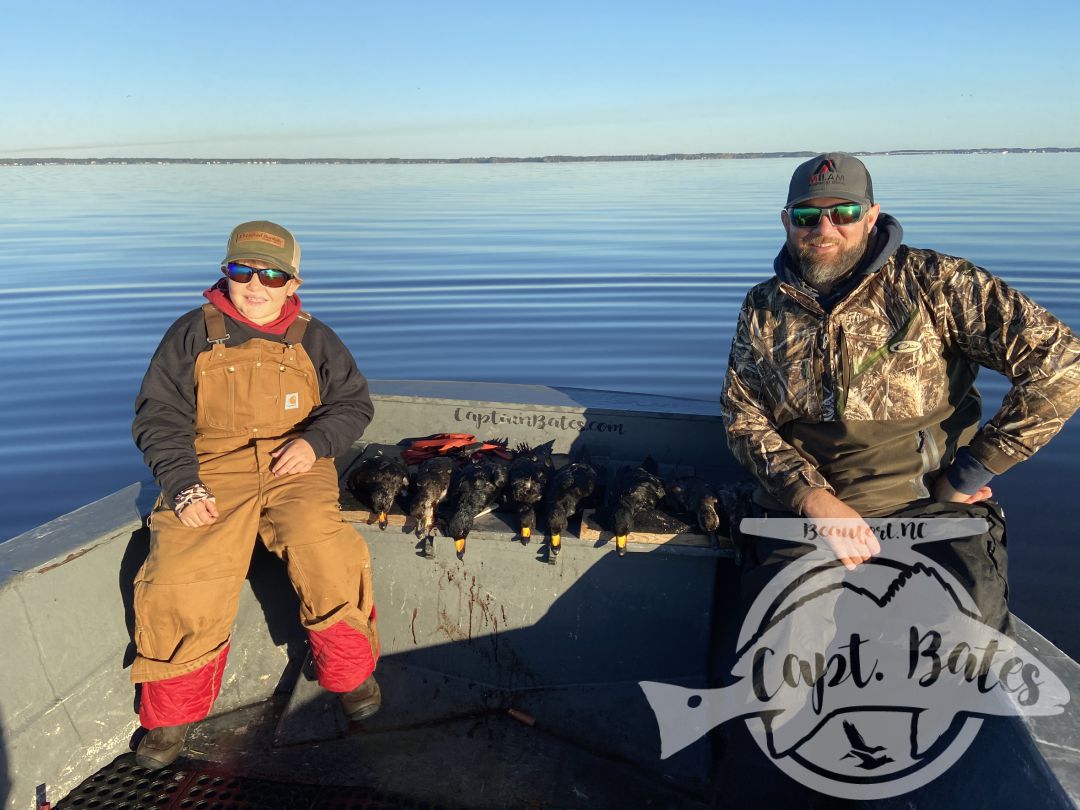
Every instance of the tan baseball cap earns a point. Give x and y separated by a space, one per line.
266 241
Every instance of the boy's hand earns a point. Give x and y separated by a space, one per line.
297 456
199 513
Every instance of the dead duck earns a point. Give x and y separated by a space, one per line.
378 480
529 473
737 504
474 491
694 496
569 486
637 490
431 484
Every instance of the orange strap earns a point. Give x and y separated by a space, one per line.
442 443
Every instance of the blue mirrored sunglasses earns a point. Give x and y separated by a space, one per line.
241 274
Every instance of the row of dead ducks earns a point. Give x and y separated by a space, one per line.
526 483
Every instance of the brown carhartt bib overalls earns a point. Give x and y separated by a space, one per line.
250 400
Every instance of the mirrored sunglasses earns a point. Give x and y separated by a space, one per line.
241 274
808 216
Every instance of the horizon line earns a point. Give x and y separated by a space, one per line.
555 158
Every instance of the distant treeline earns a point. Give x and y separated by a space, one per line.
122 161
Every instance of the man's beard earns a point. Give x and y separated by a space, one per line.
822 273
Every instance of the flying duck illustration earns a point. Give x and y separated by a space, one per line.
865 753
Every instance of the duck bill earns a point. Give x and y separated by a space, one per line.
526 532
620 544
459 545
383 520
553 549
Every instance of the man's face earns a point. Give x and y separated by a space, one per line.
255 302
826 252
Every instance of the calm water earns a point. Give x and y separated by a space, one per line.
624 276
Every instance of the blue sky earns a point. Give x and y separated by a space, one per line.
457 79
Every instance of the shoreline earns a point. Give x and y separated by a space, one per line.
136 161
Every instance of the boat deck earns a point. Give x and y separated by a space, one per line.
483 706
479 720
507 681
483 759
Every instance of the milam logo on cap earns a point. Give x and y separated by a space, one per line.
260 236
869 683
825 173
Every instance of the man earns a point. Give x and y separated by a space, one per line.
243 407
850 387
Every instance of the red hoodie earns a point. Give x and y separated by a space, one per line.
218 295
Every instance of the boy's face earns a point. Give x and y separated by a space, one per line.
255 302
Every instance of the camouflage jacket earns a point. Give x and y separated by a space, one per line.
871 397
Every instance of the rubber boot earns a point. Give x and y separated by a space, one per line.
363 701
161 746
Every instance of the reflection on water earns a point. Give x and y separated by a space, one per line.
623 276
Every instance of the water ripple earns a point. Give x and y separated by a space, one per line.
616 276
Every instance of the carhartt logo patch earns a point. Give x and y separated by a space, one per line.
905 347
260 236
292 402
